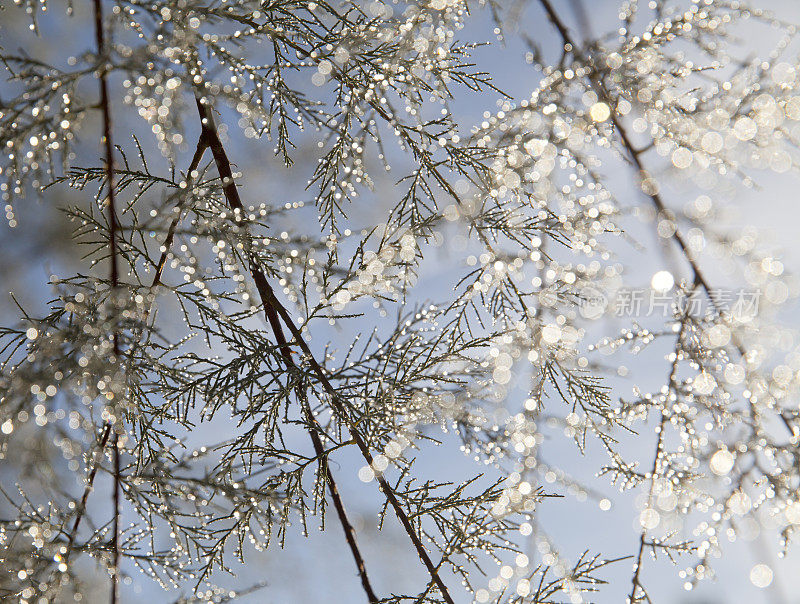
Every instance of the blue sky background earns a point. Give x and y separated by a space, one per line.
319 568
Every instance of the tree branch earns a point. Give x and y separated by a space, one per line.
635 156
90 482
202 145
167 244
662 422
105 104
265 291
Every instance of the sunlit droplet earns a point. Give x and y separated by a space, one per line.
761 575
600 112
662 281
721 462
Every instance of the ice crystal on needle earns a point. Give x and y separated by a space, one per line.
269 170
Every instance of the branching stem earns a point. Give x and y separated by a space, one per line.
105 105
167 244
635 156
662 422
699 278
268 301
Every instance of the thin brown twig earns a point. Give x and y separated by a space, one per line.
673 372
661 208
232 195
338 407
202 145
167 244
698 275
112 244
88 489
319 449
272 305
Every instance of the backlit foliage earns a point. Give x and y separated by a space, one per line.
192 380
